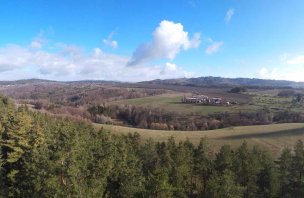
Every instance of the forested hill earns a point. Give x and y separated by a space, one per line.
201 81
230 82
41 81
41 156
25 81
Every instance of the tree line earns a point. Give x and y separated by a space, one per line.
157 118
42 156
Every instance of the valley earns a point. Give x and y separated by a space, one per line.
265 116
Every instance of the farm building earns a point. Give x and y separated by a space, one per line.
196 99
216 100
202 99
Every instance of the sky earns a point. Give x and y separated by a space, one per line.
140 40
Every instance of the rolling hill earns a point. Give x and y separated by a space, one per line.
227 82
208 81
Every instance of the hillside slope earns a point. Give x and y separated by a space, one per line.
270 137
219 81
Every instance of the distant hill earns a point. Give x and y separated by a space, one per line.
40 81
201 81
25 81
228 82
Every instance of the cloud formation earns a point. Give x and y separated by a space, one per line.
297 60
13 57
229 14
168 40
171 70
214 47
282 73
36 43
169 67
70 62
269 74
110 42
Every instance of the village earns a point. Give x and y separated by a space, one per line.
206 100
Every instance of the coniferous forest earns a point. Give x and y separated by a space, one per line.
43 156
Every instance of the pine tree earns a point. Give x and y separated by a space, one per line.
182 170
91 162
297 170
224 159
246 166
285 176
222 185
267 180
202 166
15 144
125 179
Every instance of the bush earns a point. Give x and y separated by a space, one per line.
238 90
38 105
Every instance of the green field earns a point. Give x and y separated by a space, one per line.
275 103
172 102
270 137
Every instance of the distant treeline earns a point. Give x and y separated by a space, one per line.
76 94
211 81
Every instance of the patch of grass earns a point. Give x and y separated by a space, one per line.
270 137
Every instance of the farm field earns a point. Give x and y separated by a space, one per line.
172 102
275 103
256 101
270 137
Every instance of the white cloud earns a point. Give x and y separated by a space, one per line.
110 42
229 15
54 64
13 57
269 74
283 73
36 44
40 40
214 47
169 39
263 72
298 60
171 70
169 67
289 67
195 41
70 62
284 57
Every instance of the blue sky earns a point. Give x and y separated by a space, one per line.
148 39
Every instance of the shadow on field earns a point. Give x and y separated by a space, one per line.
283 133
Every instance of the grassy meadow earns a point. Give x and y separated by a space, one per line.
257 101
172 102
270 137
